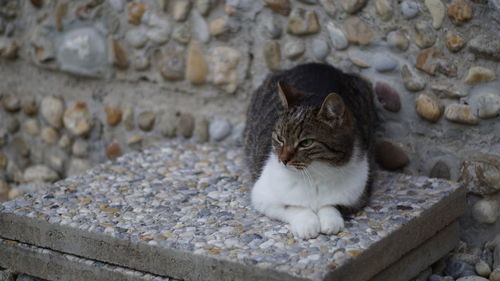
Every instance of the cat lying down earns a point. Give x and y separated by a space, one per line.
309 147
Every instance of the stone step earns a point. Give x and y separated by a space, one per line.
57 266
53 265
182 211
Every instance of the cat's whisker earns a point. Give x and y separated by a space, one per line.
306 171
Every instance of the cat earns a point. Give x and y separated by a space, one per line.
308 143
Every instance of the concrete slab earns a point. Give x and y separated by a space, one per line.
56 266
183 211
420 258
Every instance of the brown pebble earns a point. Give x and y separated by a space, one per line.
428 60
37 3
357 31
388 96
280 6
454 42
390 156
113 150
61 12
113 115
459 12
185 125
135 12
120 59
429 106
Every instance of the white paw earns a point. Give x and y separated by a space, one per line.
331 220
305 224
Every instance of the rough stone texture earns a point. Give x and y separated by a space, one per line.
459 12
352 6
185 125
224 62
280 6
173 65
486 45
77 119
486 104
436 9
409 9
384 9
398 40
34 260
486 211
481 174
388 97
40 173
429 106
479 74
113 115
428 60
11 102
219 129
425 36
440 170
416 261
49 135
358 32
113 150
411 80
52 110
303 22
146 120
482 268
272 55
454 42
460 113
390 156
228 236
337 36
196 66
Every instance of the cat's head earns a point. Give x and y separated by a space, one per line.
306 133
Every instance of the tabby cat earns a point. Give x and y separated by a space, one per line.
309 147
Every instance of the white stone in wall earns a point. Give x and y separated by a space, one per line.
320 49
337 36
200 29
224 61
409 9
159 31
486 104
136 37
83 51
437 9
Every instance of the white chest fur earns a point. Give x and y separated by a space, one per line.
320 185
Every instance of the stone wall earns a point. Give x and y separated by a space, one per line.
83 81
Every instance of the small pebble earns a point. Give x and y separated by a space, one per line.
384 63
409 9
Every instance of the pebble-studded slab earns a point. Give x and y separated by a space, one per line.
52 265
182 210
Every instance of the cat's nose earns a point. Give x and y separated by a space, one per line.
286 154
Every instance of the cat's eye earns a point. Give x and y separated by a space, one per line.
306 143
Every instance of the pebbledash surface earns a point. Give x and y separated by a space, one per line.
183 211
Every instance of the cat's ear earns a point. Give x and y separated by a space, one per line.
288 94
333 108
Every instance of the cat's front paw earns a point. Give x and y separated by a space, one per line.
331 220
305 224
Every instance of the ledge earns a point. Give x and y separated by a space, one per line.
182 211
